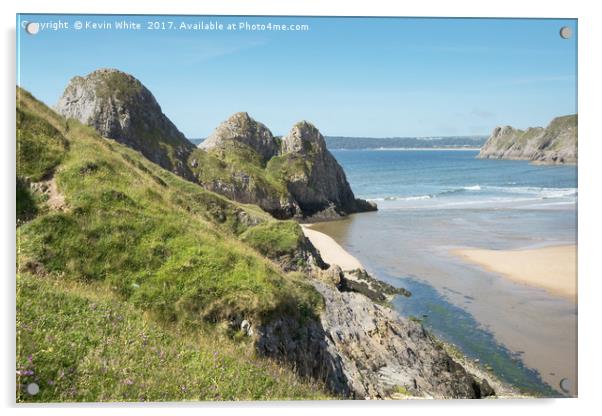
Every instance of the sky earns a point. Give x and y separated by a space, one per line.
362 77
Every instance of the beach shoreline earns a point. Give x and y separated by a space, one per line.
553 268
331 251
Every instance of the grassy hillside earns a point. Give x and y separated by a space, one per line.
274 239
134 250
80 343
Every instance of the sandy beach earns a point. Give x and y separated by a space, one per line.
331 251
552 268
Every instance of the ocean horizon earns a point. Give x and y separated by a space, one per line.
396 143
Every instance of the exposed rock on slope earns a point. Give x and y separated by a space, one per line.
362 350
118 106
292 177
360 281
557 143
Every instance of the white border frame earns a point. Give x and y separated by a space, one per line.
590 28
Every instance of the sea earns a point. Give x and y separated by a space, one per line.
433 201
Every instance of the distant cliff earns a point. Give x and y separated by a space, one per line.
557 143
362 143
290 177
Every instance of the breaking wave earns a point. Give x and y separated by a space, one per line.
528 192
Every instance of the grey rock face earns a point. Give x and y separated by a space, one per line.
304 139
557 143
119 107
242 187
363 350
380 351
360 281
241 128
305 347
322 188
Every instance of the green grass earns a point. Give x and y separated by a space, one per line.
40 146
79 343
163 247
401 390
284 168
274 238
214 208
40 149
27 204
119 83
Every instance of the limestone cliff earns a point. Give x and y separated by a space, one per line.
557 143
365 350
319 185
290 177
119 107
293 177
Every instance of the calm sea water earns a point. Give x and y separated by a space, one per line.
448 178
433 201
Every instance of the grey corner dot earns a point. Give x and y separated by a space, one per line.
565 385
33 389
32 28
566 32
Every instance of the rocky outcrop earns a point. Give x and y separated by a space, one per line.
305 257
247 188
322 186
557 143
360 281
364 350
241 128
292 177
119 107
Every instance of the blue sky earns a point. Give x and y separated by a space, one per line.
372 77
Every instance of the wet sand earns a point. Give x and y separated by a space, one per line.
550 268
330 250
